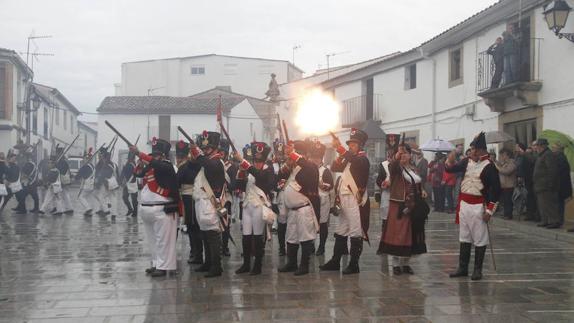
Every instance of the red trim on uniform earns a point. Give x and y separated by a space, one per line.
149 180
245 165
341 150
145 157
484 157
467 198
294 156
362 153
196 152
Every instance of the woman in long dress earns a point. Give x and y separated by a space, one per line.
403 235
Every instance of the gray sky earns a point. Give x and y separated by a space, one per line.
91 38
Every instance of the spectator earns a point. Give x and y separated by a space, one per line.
497 52
437 170
510 55
422 168
384 182
449 182
565 188
527 172
546 185
507 173
459 156
467 153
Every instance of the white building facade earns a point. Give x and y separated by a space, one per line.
441 89
244 117
185 76
15 78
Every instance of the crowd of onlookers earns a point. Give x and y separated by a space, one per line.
535 182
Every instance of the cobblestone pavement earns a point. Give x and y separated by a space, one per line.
90 269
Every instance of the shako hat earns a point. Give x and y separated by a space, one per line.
358 136
181 148
160 146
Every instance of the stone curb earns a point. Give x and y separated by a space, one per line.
531 228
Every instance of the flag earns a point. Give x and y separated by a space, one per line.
219 112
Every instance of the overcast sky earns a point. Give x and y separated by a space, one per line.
91 38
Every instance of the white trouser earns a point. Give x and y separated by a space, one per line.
161 233
385 201
325 208
472 229
400 261
85 198
252 221
301 223
102 197
350 217
282 216
206 214
65 194
52 198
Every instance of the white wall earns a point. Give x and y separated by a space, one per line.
173 77
132 125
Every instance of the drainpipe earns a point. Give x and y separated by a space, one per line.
433 104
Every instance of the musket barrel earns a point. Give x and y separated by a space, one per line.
118 133
180 129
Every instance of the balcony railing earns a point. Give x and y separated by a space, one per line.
526 61
360 109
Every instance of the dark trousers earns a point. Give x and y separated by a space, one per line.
561 209
548 207
225 234
506 199
31 190
193 231
531 204
438 196
7 197
281 231
449 194
126 198
497 77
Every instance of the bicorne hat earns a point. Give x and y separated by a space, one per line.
479 142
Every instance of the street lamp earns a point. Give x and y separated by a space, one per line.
556 16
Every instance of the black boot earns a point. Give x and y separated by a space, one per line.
306 252
214 245
291 264
356 250
323 234
207 264
281 231
246 245
335 263
258 241
463 260
478 260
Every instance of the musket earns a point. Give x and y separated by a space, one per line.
491 247
286 132
188 137
118 133
112 142
281 138
113 148
67 149
137 139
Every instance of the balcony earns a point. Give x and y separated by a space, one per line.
359 109
525 85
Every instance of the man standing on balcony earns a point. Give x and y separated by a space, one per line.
510 46
497 52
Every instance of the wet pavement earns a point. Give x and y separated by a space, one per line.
72 268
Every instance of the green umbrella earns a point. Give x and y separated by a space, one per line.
564 140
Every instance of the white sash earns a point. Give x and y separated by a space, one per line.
348 180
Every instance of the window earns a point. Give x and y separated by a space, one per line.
57 110
65 120
164 127
197 70
229 69
35 122
455 67
72 124
411 77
